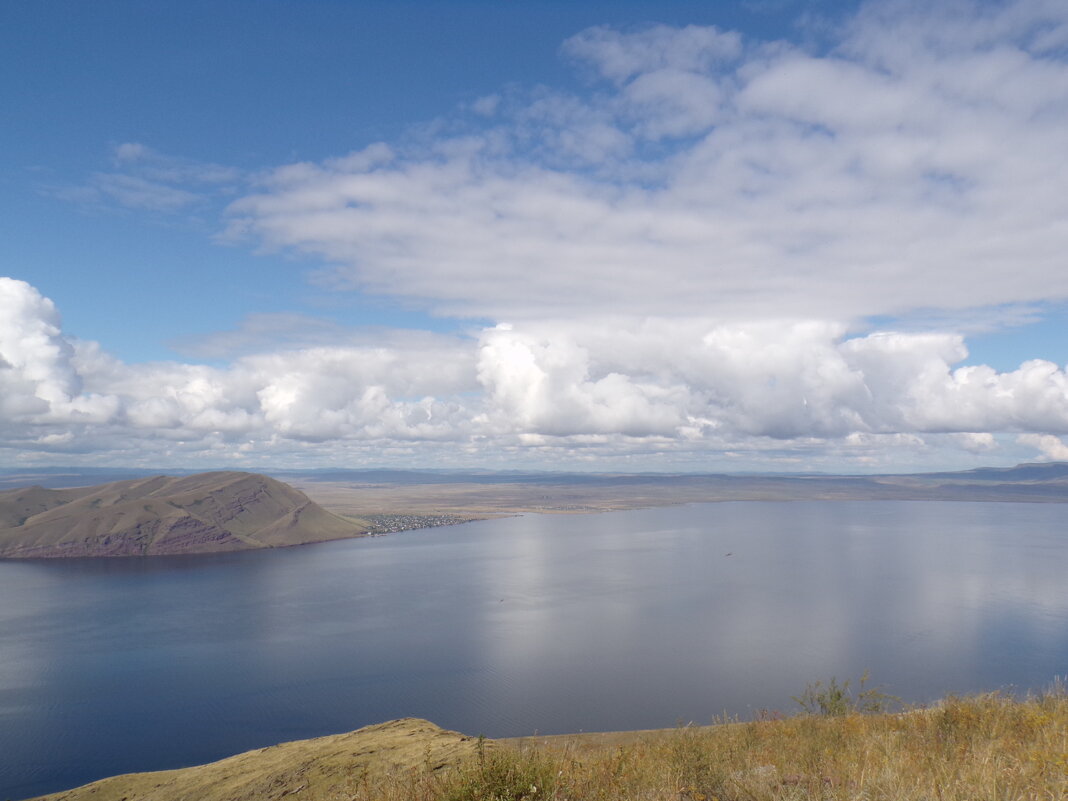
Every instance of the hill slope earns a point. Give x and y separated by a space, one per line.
202 513
960 749
313 770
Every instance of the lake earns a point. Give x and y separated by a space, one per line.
540 623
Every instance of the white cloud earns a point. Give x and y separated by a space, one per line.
895 173
135 192
38 380
621 57
264 332
544 385
683 255
1050 446
486 105
171 169
663 389
146 180
980 442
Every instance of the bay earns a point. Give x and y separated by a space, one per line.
540 623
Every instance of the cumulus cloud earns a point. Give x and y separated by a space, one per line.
39 382
1050 446
58 392
684 388
979 442
697 378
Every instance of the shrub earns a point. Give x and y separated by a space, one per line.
835 699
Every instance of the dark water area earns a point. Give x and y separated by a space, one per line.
546 623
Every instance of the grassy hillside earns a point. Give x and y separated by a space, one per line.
323 768
201 513
986 747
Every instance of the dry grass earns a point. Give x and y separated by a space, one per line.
965 749
339 766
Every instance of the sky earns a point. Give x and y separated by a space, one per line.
770 235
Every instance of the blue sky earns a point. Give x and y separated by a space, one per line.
774 234
250 85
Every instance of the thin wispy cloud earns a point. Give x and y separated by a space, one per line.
265 332
143 179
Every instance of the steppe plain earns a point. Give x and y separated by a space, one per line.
474 495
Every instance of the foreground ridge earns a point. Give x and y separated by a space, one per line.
321 768
958 750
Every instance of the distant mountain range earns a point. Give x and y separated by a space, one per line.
78 476
200 513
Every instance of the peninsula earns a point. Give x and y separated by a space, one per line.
201 513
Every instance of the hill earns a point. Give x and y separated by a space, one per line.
988 746
314 770
201 513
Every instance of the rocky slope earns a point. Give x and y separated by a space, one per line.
202 513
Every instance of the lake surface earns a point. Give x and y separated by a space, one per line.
554 623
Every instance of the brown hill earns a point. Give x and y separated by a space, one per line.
322 769
202 513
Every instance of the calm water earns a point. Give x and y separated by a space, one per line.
539 623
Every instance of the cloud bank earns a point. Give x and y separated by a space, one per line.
688 389
678 260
